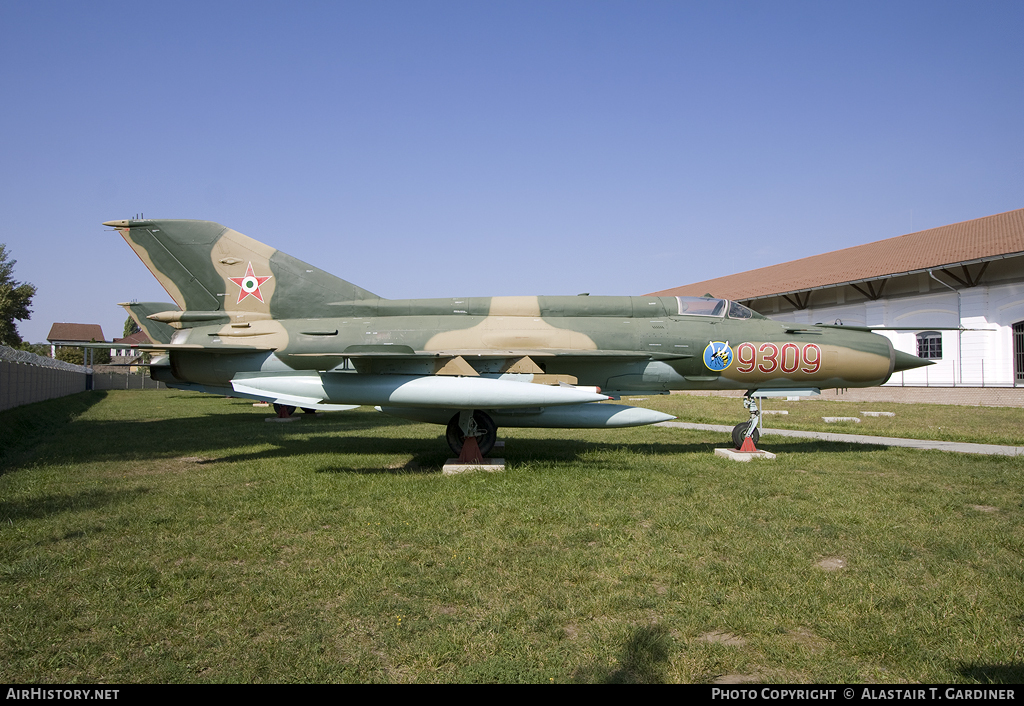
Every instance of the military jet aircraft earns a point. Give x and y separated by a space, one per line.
251 321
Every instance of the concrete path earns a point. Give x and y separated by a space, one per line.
986 449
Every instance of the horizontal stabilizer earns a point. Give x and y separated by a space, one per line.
157 331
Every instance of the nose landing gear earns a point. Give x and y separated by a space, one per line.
745 435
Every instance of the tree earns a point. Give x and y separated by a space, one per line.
71 354
40 349
130 327
15 300
100 356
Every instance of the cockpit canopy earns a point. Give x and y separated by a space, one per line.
709 306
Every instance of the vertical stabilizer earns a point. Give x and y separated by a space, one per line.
207 267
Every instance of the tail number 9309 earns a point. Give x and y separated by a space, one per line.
771 357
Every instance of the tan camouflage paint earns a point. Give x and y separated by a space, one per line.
166 282
525 364
231 255
251 322
857 366
455 366
515 306
513 323
266 333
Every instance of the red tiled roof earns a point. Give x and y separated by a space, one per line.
137 337
75 332
969 241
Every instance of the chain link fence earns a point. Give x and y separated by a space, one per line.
26 377
25 358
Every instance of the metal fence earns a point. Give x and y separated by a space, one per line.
11 355
26 377
122 381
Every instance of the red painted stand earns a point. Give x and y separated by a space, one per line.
470 451
748 446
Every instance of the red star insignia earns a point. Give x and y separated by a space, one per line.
249 284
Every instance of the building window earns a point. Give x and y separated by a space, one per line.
929 345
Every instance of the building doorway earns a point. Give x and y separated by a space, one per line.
1018 353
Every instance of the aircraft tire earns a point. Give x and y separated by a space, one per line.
740 430
483 421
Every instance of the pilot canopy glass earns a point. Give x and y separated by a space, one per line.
738 311
701 306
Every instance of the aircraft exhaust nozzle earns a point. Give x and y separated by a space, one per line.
906 361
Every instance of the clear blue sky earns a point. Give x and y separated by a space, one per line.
424 149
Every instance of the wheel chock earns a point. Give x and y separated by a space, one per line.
470 459
470 451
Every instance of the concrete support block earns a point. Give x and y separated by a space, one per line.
742 456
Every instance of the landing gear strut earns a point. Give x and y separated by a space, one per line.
745 435
478 426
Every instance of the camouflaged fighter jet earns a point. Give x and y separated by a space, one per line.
251 321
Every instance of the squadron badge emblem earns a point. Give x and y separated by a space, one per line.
718 355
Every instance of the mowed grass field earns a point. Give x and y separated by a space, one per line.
980 425
173 537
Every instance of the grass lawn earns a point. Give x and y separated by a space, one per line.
980 425
172 537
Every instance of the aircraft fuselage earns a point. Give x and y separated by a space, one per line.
251 321
620 344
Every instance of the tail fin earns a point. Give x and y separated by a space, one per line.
157 331
207 267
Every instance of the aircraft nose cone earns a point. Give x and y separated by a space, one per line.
906 361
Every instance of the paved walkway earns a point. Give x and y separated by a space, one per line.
986 449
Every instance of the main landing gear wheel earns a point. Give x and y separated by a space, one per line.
284 410
484 424
740 430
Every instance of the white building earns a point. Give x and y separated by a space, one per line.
968 275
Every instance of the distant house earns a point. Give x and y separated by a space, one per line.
122 347
122 353
62 334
